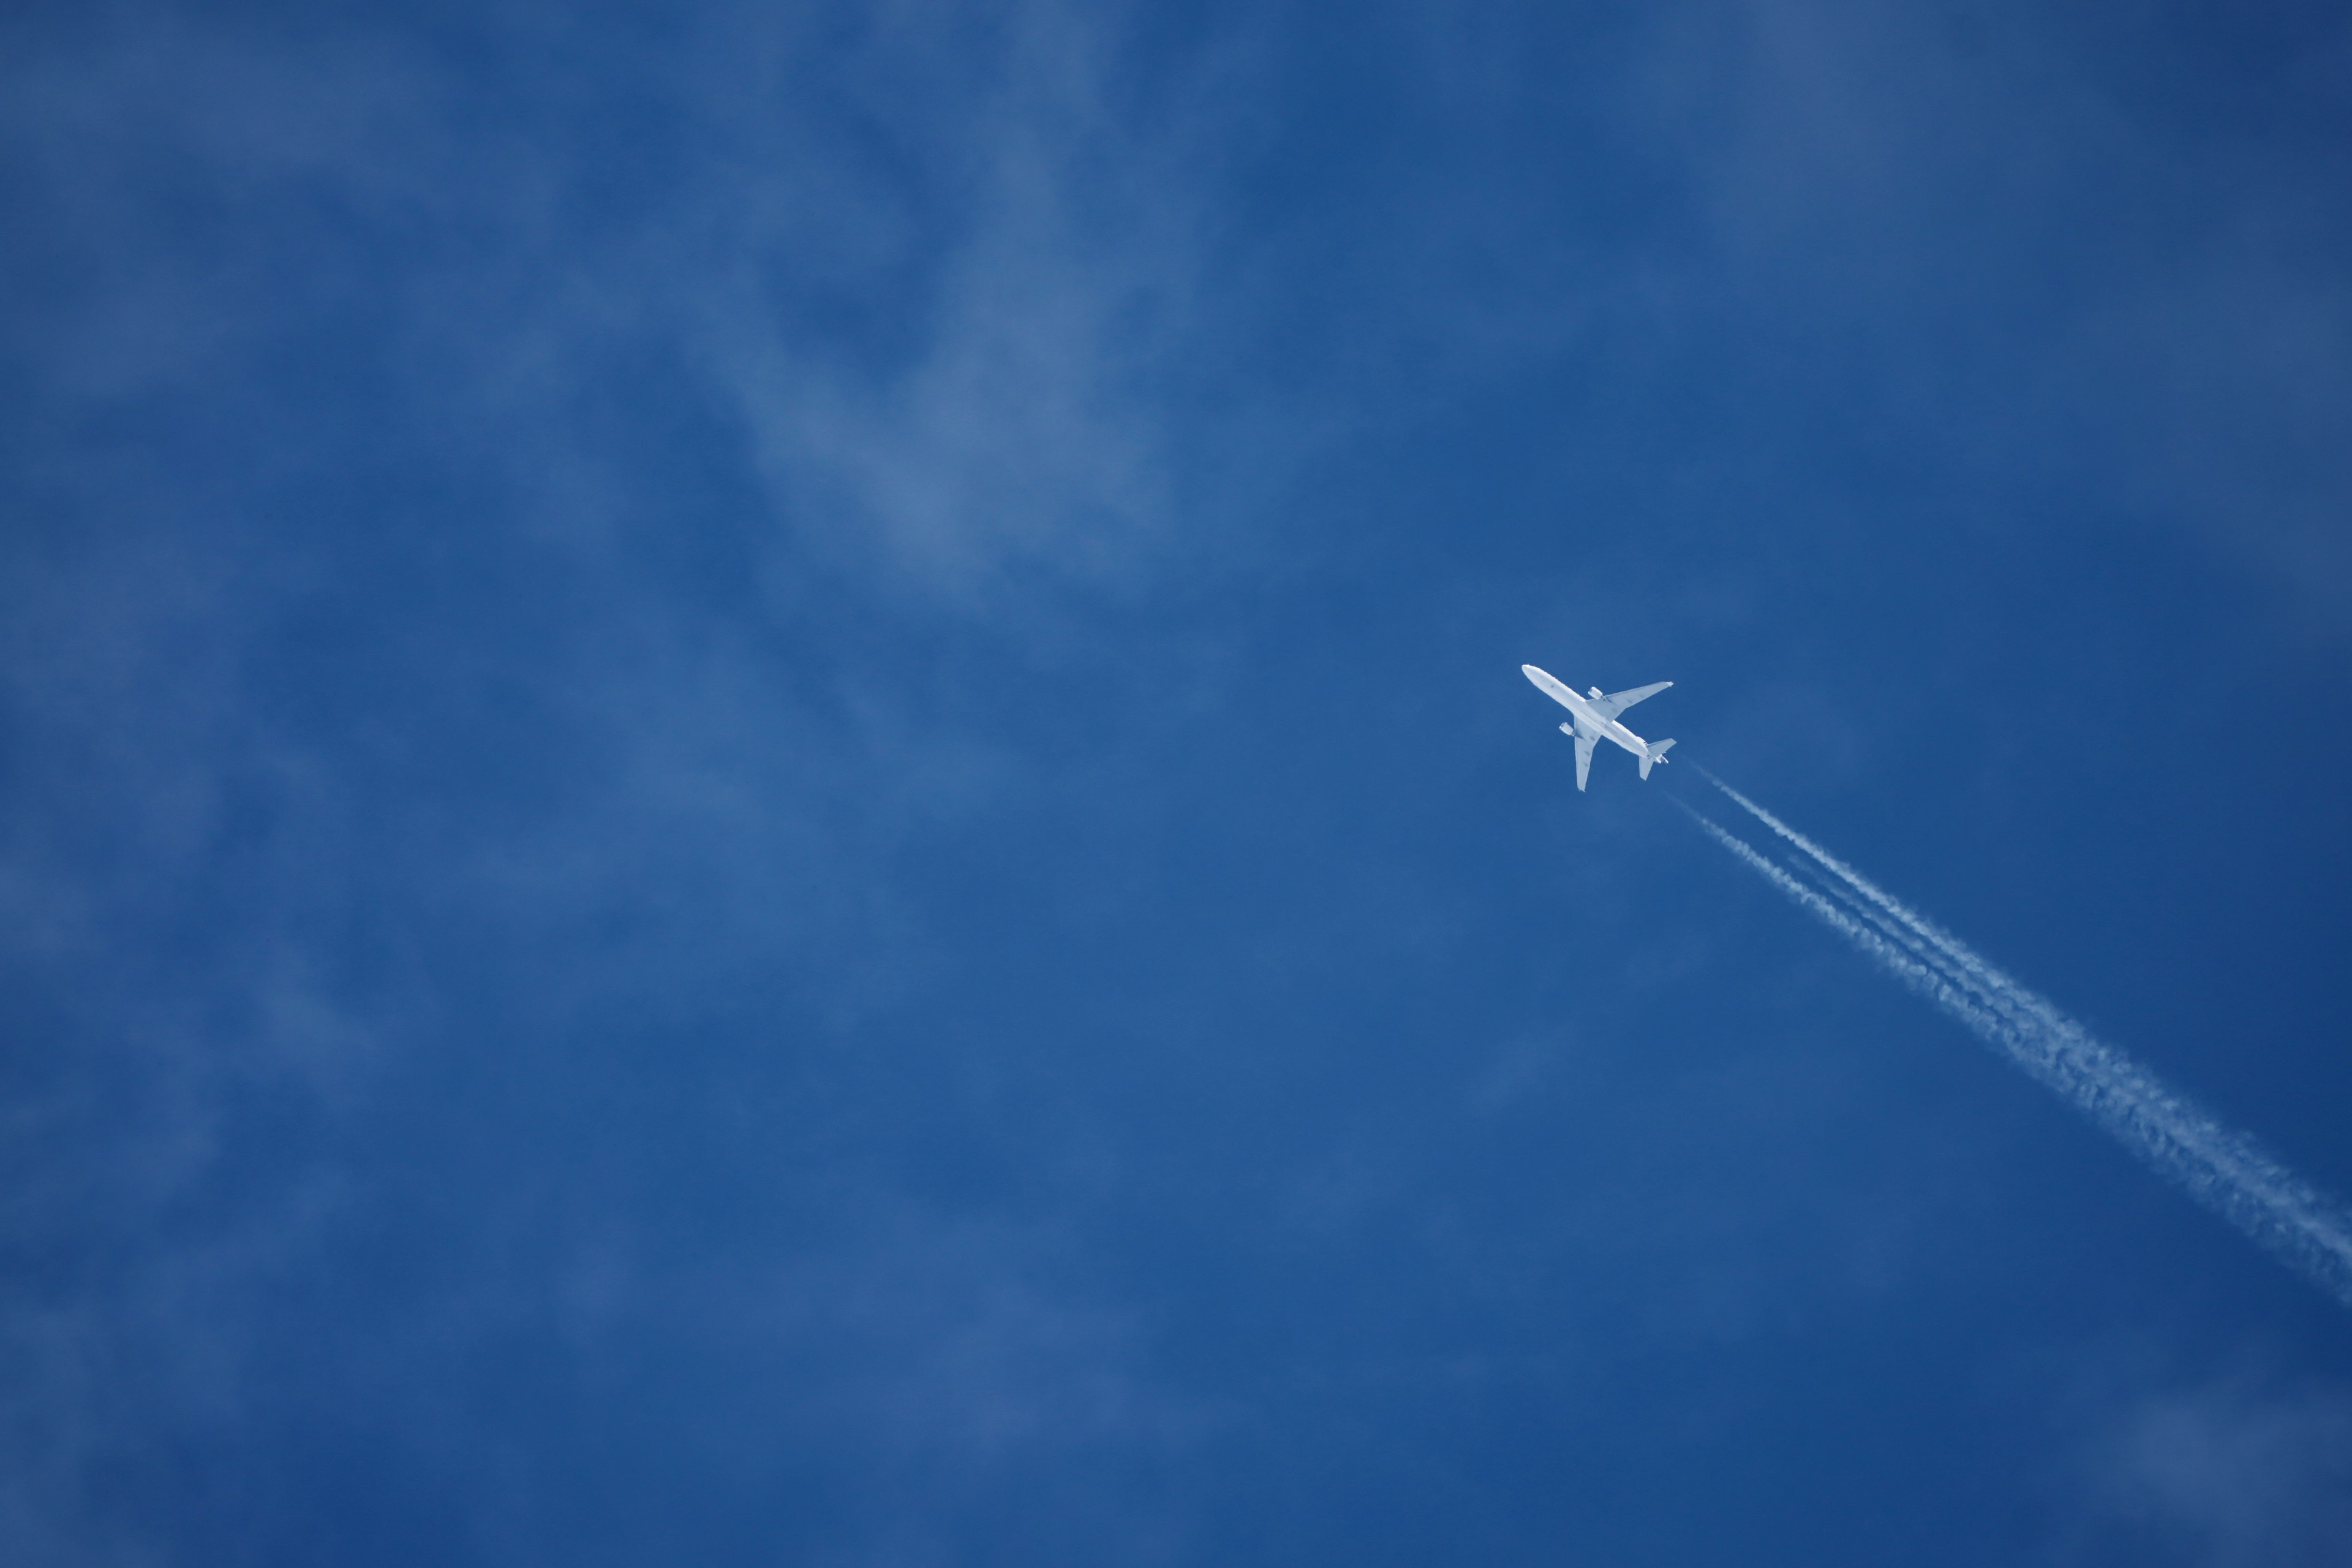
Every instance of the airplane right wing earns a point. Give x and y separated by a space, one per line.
1616 702
1583 754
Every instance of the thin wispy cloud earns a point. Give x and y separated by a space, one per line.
919 286
2241 1472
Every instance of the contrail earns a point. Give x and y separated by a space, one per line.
2225 1170
1907 966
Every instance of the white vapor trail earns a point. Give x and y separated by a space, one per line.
2225 1170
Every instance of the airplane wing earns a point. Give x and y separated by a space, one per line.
1616 702
1583 754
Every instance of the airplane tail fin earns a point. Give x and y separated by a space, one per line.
1656 753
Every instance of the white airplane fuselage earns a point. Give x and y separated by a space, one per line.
1586 719
1594 718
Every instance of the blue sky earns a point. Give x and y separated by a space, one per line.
763 798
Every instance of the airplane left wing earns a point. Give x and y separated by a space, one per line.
1616 702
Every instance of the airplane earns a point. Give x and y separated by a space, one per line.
1596 716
